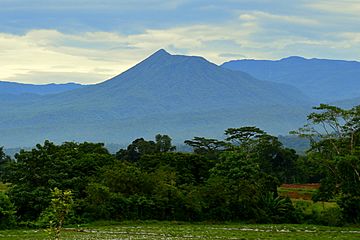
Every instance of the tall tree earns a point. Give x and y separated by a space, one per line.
335 143
209 147
243 135
3 160
163 143
140 147
264 149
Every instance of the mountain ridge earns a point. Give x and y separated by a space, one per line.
173 94
16 88
178 74
324 80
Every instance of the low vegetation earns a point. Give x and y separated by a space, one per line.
173 230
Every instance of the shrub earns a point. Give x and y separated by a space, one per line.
350 208
7 212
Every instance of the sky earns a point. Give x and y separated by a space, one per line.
89 41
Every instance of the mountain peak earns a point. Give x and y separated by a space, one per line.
293 58
161 52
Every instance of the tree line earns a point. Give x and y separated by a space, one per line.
233 179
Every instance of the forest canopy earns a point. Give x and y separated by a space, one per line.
235 178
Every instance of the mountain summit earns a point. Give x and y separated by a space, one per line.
167 93
160 52
173 83
165 83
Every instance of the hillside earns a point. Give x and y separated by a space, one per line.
321 79
173 94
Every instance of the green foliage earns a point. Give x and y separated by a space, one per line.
266 150
350 206
243 135
61 204
136 149
278 209
234 179
4 159
97 203
140 147
207 146
189 168
49 166
163 143
7 212
335 142
324 213
308 170
239 185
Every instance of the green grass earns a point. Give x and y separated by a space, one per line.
166 230
310 205
300 190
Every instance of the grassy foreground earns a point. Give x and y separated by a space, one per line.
166 230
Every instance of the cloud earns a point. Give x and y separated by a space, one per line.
50 51
343 7
252 32
264 16
232 55
58 77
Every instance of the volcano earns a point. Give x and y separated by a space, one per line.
173 94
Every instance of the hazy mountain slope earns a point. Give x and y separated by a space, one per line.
323 80
279 120
171 83
177 95
21 88
15 99
347 103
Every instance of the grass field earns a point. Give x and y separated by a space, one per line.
166 230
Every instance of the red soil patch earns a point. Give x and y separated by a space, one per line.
297 195
304 186
298 191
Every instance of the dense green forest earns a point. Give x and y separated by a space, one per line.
232 179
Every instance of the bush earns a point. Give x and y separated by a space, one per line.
278 209
331 217
324 213
7 212
350 208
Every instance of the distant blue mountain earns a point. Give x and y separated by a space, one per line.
165 83
178 95
347 103
321 79
14 88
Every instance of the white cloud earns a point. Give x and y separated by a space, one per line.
53 56
59 77
347 7
51 52
264 16
351 38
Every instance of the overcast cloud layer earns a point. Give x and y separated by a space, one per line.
90 41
